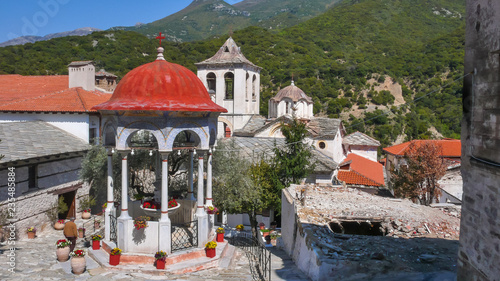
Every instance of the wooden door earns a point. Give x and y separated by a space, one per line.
70 200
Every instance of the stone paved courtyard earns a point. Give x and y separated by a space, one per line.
36 260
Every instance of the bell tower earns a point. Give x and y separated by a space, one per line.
233 82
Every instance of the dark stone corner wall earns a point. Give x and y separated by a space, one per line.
479 253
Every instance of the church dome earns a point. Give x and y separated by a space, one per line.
160 86
292 92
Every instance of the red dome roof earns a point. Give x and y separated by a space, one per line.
163 86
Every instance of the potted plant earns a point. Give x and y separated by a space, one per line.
268 240
274 235
31 232
172 203
210 249
96 242
59 225
141 222
97 223
262 225
85 205
265 232
62 251
240 227
211 210
104 207
220 234
81 232
78 261
160 257
114 256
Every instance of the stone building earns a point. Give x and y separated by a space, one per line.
291 101
233 82
105 81
45 162
480 224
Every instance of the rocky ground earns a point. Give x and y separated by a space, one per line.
415 239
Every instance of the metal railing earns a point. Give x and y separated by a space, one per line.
257 250
184 235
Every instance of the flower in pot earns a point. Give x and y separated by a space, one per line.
114 256
160 257
220 234
265 232
268 239
212 210
96 242
59 225
81 232
104 207
141 222
262 225
210 249
240 227
31 232
62 251
85 205
78 261
86 214
172 203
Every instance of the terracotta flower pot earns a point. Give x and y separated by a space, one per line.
160 264
220 237
114 259
262 227
264 234
78 265
58 226
96 245
62 254
85 215
81 234
31 235
210 252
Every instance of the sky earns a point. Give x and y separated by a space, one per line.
42 17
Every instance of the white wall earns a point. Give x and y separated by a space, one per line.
82 76
366 151
75 124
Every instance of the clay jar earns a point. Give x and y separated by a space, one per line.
78 265
62 254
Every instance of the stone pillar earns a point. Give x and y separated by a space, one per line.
201 214
123 229
164 235
191 175
208 200
110 208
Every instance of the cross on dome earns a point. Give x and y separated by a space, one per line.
159 37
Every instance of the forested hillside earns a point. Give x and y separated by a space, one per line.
342 58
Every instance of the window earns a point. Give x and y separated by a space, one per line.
92 135
246 86
211 82
227 131
287 107
322 144
254 88
32 176
229 82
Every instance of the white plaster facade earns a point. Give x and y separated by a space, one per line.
291 101
77 124
82 74
366 151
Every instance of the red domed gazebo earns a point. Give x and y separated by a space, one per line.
164 99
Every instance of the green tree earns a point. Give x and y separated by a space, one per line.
234 189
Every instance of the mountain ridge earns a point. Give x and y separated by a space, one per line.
32 38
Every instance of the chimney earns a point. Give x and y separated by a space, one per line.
82 74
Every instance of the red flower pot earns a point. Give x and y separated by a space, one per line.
220 237
160 264
114 259
210 253
31 235
96 245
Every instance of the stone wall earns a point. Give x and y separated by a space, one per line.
480 225
32 204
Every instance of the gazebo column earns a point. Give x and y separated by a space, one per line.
208 200
124 231
201 214
191 175
110 208
164 235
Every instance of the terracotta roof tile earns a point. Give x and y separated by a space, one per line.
450 147
362 171
45 94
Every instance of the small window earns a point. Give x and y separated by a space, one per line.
92 135
211 81
226 49
229 82
322 145
32 176
227 131
254 87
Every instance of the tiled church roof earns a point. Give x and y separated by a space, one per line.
450 147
